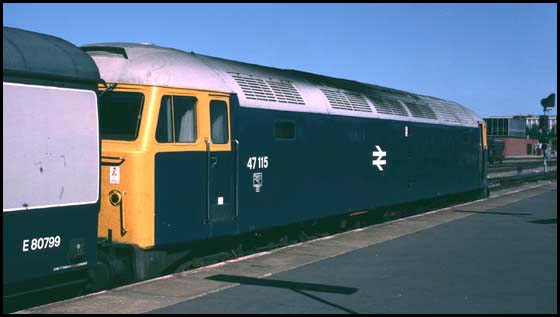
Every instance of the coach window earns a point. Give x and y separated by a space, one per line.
120 114
284 130
177 120
219 122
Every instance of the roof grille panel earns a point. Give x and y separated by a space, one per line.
268 90
285 92
346 100
388 106
450 111
337 99
358 102
463 115
443 111
421 111
254 88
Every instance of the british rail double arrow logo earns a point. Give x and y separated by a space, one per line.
379 154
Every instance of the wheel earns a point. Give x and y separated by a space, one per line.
100 277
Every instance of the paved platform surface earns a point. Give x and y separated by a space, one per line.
492 256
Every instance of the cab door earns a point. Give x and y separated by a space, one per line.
220 167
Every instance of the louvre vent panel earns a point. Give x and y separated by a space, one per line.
268 90
337 99
346 100
358 102
285 92
255 88
450 111
420 111
388 106
444 112
463 115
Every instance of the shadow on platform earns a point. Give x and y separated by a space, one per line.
294 286
493 213
545 221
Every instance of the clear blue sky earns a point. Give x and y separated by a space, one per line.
497 59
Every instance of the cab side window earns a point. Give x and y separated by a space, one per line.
185 119
177 120
284 130
164 131
219 122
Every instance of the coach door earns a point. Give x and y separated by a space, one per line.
220 162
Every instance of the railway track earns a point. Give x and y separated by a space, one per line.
518 178
512 165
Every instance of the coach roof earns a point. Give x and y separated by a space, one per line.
271 88
34 54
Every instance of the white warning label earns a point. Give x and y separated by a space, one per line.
114 175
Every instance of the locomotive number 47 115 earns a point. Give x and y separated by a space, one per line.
257 162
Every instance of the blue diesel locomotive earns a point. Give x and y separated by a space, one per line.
197 147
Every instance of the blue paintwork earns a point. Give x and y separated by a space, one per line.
222 182
180 191
70 223
326 170
180 210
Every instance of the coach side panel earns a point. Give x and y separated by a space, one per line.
50 180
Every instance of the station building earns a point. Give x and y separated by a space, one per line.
532 120
512 130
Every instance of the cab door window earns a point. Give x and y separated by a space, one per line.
219 122
177 120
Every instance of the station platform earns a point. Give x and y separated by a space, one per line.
497 255
522 172
526 157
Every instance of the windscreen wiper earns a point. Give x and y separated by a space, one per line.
109 89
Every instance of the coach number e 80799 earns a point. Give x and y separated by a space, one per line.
41 243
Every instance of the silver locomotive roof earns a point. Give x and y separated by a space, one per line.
270 88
